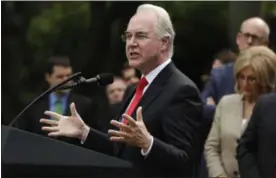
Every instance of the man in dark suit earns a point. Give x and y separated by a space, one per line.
159 137
57 70
256 152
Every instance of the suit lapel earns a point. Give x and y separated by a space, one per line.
155 88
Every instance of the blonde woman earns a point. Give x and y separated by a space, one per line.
255 74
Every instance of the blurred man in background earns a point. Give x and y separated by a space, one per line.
116 90
114 94
221 58
58 69
129 75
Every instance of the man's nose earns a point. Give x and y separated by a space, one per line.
132 41
250 40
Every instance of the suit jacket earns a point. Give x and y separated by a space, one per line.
85 107
256 152
220 147
107 113
172 112
222 82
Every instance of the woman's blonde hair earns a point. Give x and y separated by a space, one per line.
263 62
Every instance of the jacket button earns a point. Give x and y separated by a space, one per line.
236 173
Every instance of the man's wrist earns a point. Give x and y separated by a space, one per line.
84 133
146 150
147 144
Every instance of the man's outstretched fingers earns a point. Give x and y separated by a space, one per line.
50 129
48 122
54 134
53 115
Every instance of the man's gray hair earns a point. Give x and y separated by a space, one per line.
164 24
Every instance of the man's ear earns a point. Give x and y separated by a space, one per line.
47 77
266 42
238 37
165 43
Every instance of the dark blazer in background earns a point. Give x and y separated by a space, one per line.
85 107
222 82
256 152
172 113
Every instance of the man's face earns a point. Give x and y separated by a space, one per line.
251 34
142 43
216 64
59 74
129 76
115 91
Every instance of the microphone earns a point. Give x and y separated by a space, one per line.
101 79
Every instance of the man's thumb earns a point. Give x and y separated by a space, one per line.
73 109
139 116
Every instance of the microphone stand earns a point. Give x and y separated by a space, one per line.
74 76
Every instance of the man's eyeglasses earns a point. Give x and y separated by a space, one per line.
137 36
255 38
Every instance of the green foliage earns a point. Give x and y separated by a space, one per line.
62 20
269 8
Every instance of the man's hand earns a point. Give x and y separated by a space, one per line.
66 126
134 133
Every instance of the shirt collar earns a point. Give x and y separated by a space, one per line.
53 97
151 76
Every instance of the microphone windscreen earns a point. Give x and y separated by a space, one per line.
105 79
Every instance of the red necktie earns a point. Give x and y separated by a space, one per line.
138 95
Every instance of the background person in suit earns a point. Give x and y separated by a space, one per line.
221 58
256 152
114 93
58 69
255 74
160 138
